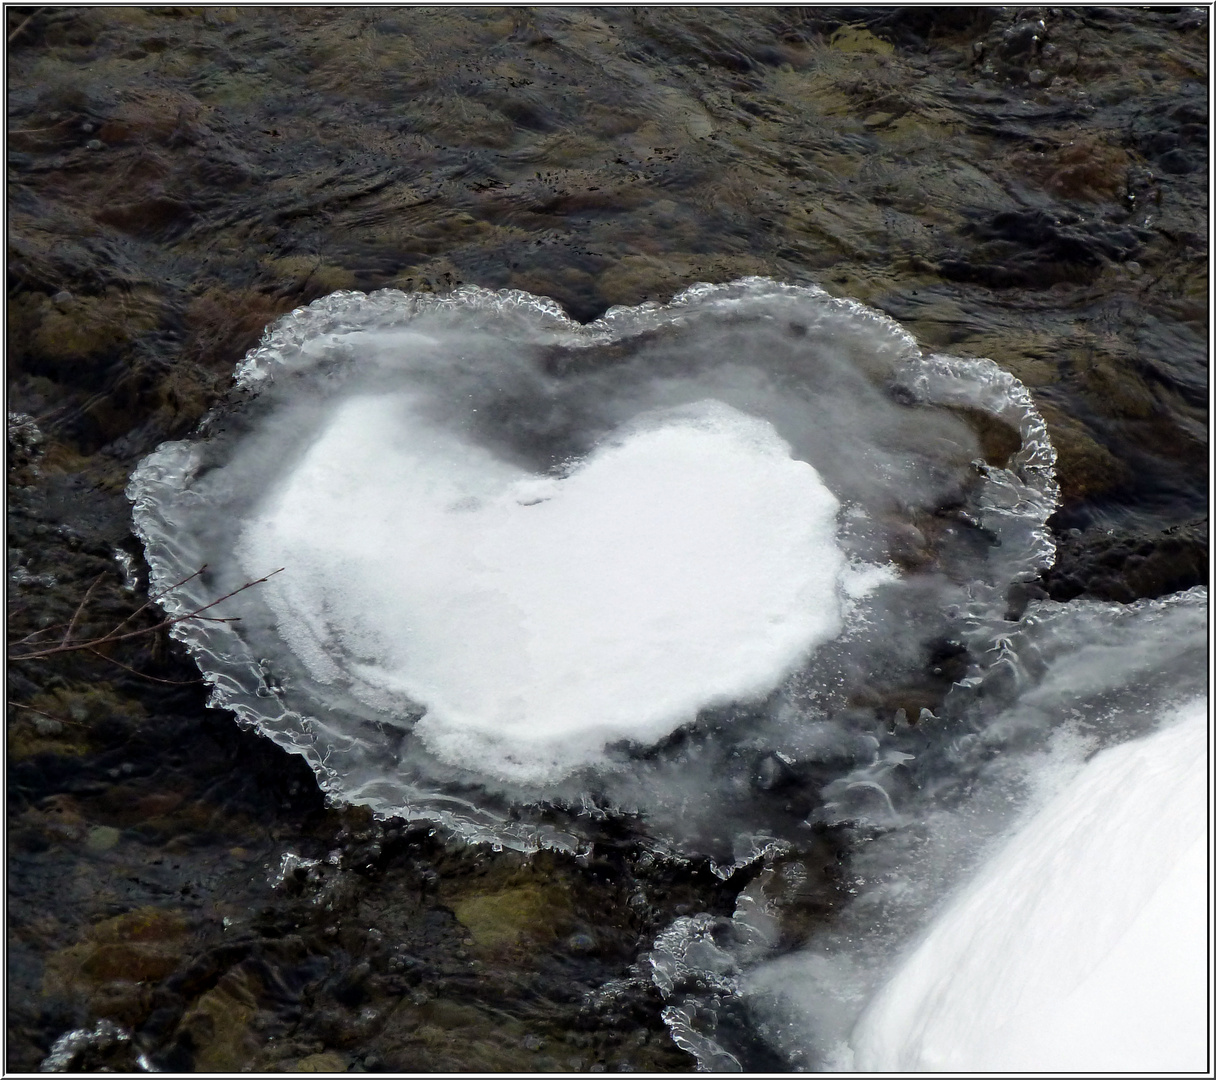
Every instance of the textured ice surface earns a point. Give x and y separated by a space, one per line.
1083 874
1082 945
688 563
640 566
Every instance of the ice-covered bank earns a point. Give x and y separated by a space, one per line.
1082 945
1030 893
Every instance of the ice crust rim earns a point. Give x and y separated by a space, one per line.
1015 504
695 973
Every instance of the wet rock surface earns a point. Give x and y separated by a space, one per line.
1126 565
1025 184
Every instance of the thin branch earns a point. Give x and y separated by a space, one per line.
35 633
144 674
152 597
227 596
109 639
49 716
113 636
25 22
80 607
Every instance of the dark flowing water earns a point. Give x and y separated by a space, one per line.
1028 185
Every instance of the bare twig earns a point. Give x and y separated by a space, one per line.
24 23
153 597
79 608
92 645
144 674
40 712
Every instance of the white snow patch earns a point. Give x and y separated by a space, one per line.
1082 945
688 562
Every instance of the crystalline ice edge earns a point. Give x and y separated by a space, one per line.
995 783
538 402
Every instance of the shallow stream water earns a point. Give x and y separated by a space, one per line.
1027 185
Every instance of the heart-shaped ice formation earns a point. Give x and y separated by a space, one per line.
534 564
689 563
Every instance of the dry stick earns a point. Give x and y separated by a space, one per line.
147 603
152 597
80 607
110 638
35 633
113 635
52 628
143 674
12 37
35 131
49 716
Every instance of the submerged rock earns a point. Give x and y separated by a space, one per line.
1128 565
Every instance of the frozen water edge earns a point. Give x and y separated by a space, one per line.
1086 675
1013 507
1078 946
70 1044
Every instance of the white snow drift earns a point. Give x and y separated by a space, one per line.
1082 945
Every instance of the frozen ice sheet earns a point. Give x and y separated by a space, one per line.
1082 944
